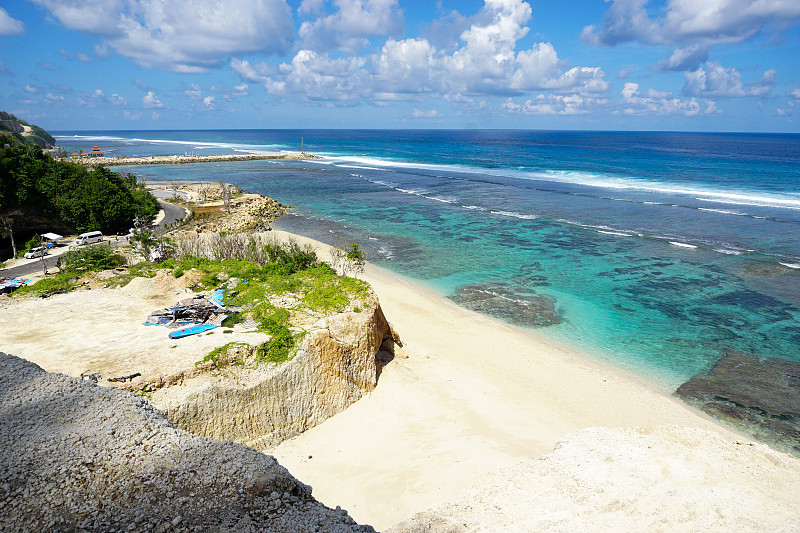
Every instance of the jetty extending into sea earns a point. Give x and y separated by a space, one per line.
186 159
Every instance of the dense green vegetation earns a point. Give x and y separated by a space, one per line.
33 182
11 129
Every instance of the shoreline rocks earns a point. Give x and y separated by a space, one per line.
760 397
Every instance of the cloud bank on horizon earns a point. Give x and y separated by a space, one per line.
712 65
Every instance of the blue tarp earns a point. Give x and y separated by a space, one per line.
12 284
216 297
193 330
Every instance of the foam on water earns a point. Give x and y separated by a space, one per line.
594 180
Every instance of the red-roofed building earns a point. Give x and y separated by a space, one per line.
96 152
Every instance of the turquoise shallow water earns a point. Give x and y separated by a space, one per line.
654 251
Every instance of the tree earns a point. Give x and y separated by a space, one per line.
7 230
225 192
143 238
41 257
202 192
350 259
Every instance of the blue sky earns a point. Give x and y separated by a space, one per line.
693 65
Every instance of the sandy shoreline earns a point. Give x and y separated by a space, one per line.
474 395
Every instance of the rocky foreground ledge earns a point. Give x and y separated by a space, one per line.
75 456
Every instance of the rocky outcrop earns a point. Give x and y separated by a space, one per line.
19 131
75 457
759 397
249 212
339 361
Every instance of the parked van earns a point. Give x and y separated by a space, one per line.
89 238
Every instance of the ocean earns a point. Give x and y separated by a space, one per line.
655 252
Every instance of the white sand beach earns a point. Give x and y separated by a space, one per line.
469 395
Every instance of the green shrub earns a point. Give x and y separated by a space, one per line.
232 319
58 284
33 242
219 356
281 341
90 259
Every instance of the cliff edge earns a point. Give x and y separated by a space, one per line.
339 361
76 456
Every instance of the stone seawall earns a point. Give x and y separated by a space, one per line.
185 159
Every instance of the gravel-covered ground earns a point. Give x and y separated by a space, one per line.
78 457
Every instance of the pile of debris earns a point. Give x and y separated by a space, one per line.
193 315
11 284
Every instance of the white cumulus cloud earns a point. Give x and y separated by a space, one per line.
692 26
485 61
655 102
552 104
185 36
10 25
721 82
350 25
690 21
432 113
150 100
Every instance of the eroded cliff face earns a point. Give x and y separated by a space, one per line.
339 361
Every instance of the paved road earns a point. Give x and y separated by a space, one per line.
172 213
29 268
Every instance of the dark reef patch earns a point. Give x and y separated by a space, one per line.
760 397
502 301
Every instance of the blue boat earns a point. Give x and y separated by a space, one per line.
193 330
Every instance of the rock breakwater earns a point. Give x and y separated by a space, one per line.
186 159
75 456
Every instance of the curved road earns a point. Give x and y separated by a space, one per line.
172 213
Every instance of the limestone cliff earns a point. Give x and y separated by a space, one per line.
339 361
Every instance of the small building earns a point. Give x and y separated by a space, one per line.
96 152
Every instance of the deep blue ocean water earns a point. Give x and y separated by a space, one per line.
653 251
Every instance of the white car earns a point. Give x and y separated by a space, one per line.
33 253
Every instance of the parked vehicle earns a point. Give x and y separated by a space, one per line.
89 238
33 253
